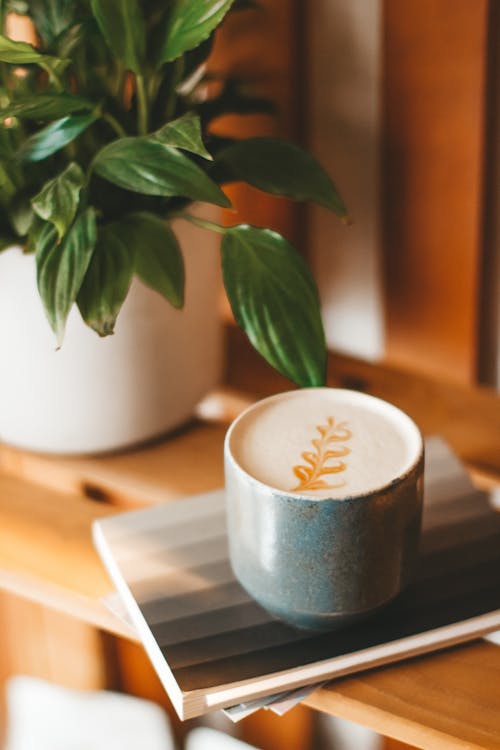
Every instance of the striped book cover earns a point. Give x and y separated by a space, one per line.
213 646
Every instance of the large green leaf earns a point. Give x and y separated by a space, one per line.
122 25
142 243
46 107
274 299
61 267
146 166
107 280
185 133
158 258
54 137
57 201
22 53
280 168
188 24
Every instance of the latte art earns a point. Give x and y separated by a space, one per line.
324 442
324 459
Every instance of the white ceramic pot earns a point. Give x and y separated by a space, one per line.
94 394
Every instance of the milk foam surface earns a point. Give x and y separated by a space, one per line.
325 442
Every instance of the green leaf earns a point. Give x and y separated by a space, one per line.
21 214
274 299
146 166
17 6
107 280
185 133
188 24
7 185
8 138
142 243
57 201
22 53
61 267
36 228
54 137
46 107
280 168
66 43
158 258
122 25
52 17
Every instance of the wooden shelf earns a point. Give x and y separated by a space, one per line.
47 504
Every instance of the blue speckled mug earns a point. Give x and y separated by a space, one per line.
334 536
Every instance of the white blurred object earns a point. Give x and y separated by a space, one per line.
203 738
495 498
43 716
346 735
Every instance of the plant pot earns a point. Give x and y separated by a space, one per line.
96 395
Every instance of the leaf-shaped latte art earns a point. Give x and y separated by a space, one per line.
325 459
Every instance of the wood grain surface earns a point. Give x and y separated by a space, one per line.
46 553
441 702
434 88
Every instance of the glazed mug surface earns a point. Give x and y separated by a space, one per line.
330 549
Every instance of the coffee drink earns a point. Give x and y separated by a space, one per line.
325 442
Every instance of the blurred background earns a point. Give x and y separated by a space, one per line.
399 100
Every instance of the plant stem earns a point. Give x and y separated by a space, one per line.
177 74
203 223
142 106
5 79
119 74
54 77
113 122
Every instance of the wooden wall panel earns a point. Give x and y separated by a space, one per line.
261 47
433 92
344 63
489 354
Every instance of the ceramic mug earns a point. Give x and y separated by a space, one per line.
320 558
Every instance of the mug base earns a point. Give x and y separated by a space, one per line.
323 622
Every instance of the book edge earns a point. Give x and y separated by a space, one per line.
147 638
202 701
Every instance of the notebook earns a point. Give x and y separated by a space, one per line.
213 646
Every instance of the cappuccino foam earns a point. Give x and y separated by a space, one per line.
325 442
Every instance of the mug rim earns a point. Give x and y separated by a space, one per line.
414 467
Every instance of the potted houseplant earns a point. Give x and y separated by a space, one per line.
105 146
